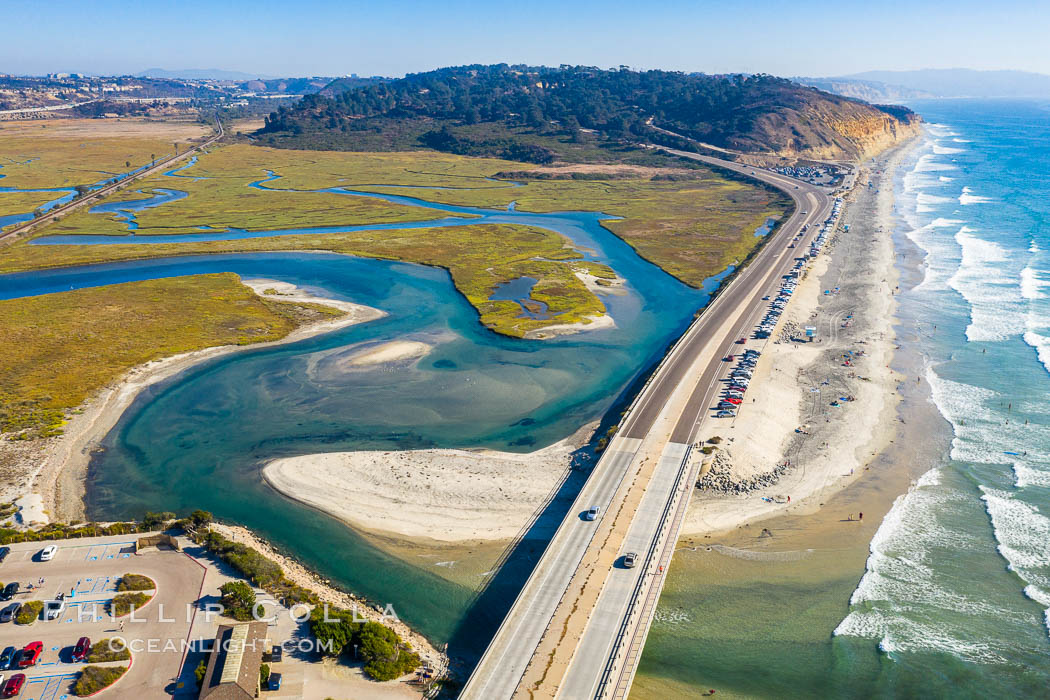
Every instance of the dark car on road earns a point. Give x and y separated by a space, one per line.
4 551
82 649
14 685
10 591
8 613
7 656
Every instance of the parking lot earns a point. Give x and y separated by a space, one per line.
87 571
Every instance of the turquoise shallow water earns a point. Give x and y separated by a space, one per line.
953 601
199 441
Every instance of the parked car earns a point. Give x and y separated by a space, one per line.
725 414
54 608
31 654
7 656
82 649
4 551
734 401
275 681
14 684
8 613
741 341
592 513
10 591
48 552
630 559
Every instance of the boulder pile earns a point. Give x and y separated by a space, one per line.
719 479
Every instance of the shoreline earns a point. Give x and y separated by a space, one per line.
60 477
797 382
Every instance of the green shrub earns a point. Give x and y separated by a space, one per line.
95 678
385 655
199 672
255 567
238 598
104 651
264 674
124 603
135 582
29 612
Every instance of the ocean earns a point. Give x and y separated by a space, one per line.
960 567
953 600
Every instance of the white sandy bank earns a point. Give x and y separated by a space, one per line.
446 495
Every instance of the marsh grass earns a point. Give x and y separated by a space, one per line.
57 349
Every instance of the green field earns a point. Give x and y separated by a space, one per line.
70 152
58 349
24 202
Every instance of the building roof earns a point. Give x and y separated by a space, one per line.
233 668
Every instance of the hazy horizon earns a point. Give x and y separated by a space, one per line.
321 37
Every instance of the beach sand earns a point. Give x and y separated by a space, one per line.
438 495
56 468
795 383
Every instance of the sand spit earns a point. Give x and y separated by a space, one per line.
394 351
57 468
441 494
791 418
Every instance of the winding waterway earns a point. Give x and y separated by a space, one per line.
198 441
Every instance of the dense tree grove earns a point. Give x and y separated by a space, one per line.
571 101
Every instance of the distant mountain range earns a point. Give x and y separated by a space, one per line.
895 86
201 74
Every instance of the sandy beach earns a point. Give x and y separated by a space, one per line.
57 468
791 420
442 494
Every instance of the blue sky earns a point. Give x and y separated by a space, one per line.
322 37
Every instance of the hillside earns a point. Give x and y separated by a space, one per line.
580 113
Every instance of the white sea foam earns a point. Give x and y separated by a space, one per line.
946 150
927 164
996 308
899 582
1032 284
941 253
957 140
942 178
968 197
1020 529
1041 344
1025 475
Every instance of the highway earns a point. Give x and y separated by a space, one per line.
577 628
93 198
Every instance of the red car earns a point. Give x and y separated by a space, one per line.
31 654
729 358
82 649
732 400
741 341
14 685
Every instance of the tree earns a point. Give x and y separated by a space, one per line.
127 164
152 159
200 518
238 598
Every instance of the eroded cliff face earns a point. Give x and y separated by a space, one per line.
827 129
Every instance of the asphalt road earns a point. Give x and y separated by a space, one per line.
505 661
